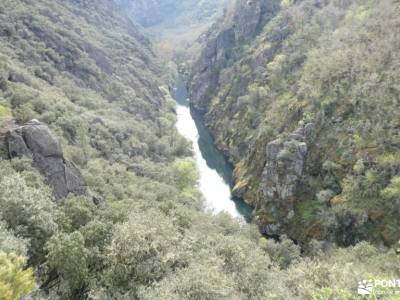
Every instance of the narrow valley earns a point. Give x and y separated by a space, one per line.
199 150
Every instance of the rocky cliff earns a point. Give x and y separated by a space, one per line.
272 72
36 141
224 45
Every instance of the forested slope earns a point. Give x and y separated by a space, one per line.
137 230
84 70
303 96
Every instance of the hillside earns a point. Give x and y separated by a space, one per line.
99 194
303 97
90 78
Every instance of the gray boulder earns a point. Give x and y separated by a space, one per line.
137 169
16 77
36 141
282 177
284 168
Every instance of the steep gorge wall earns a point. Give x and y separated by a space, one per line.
224 43
301 96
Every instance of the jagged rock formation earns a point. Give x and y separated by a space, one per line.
283 174
240 24
35 140
284 168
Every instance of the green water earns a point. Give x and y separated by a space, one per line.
215 171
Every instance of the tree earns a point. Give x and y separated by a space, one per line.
68 256
186 174
15 282
142 250
284 253
79 210
24 112
9 243
393 190
29 212
204 280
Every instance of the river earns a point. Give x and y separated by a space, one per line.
216 180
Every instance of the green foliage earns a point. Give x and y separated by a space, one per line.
329 293
24 113
142 250
286 3
4 112
78 210
199 281
67 255
186 175
359 167
5 116
15 281
29 212
337 274
93 79
9 243
283 253
392 191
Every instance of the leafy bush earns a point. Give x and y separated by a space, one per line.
15 282
29 212
67 255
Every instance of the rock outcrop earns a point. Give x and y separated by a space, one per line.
36 141
239 26
16 77
207 68
284 168
283 173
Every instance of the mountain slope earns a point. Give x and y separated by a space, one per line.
303 98
138 229
84 70
57 53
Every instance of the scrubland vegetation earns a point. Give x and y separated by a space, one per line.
141 231
151 240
